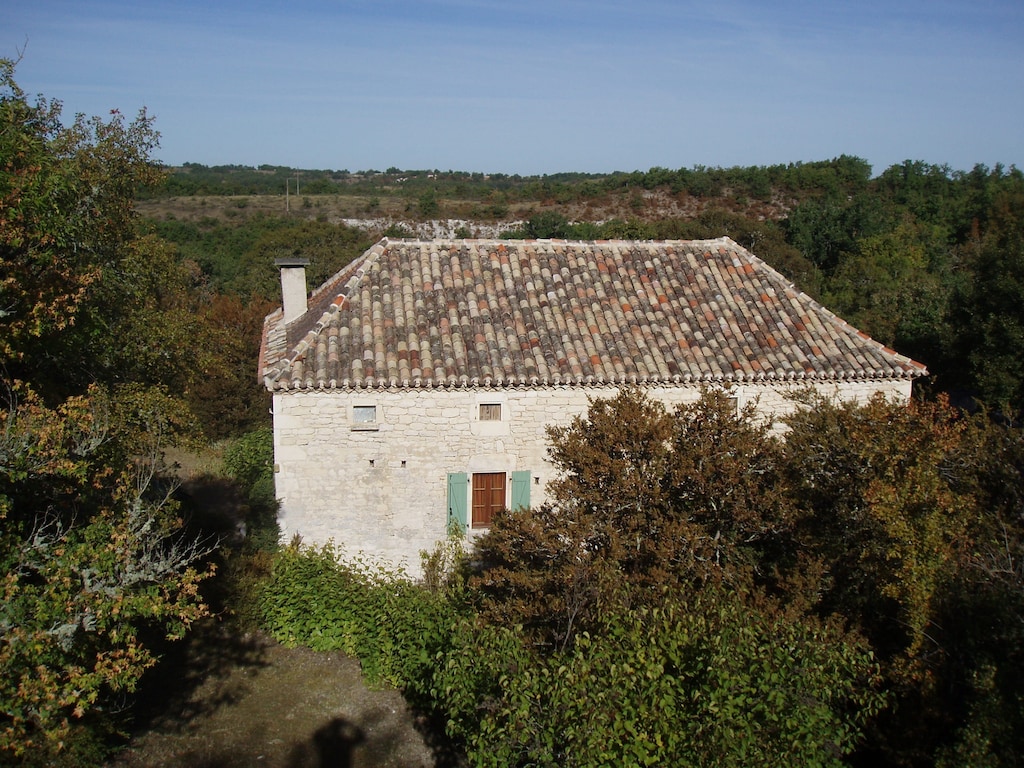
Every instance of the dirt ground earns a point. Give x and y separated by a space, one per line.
227 701
226 698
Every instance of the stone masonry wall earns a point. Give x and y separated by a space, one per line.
380 488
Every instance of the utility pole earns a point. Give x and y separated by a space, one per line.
288 186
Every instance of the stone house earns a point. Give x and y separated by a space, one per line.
413 388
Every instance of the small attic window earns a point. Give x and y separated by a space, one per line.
490 411
364 417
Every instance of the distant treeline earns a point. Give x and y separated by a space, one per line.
846 173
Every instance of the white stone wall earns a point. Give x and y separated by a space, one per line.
381 489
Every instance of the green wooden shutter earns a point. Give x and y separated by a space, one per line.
520 490
457 500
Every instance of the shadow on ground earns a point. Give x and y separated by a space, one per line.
226 698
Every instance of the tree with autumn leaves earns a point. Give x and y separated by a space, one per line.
888 527
95 562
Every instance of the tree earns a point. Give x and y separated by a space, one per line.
96 564
329 247
911 516
992 310
645 501
67 199
554 569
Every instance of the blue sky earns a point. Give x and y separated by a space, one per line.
539 86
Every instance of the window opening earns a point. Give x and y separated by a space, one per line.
488 497
364 414
490 412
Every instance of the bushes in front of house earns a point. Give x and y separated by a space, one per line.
395 627
705 679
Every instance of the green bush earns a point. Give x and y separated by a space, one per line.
396 628
249 460
707 681
312 599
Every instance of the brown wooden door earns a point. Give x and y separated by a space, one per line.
488 497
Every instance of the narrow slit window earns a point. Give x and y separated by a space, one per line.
490 412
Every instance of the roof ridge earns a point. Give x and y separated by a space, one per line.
560 240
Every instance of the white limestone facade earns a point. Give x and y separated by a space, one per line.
375 470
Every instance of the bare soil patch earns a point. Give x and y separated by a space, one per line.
226 700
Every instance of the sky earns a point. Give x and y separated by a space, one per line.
538 86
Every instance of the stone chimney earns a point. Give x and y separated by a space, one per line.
293 286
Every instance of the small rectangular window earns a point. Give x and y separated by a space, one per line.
364 415
490 412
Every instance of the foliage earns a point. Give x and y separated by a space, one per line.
94 559
66 193
912 518
98 570
903 522
844 173
554 570
700 681
644 501
328 247
992 307
879 510
224 396
249 460
394 627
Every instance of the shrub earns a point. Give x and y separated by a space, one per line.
645 500
704 681
250 461
395 627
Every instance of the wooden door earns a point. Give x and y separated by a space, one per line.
488 497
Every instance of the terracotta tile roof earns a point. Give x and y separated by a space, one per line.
411 313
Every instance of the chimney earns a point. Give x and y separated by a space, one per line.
293 286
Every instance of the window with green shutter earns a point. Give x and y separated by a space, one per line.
520 490
458 497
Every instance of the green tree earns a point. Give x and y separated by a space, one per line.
328 247
66 193
879 510
428 205
896 505
879 289
91 542
992 309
